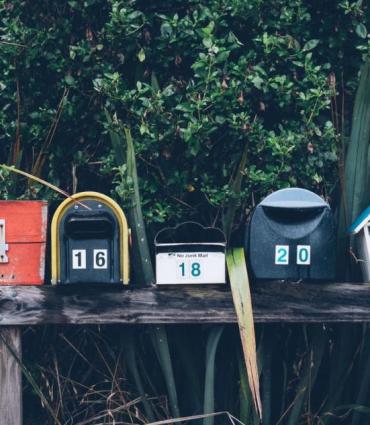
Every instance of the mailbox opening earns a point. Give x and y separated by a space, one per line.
292 215
91 227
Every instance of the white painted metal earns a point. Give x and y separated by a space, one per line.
3 245
363 244
190 268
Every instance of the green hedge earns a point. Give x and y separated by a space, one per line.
195 80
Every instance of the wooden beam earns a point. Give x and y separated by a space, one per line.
10 376
272 302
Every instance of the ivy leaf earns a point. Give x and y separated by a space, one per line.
361 30
311 44
141 55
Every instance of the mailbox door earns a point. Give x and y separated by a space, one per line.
89 243
281 248
89 261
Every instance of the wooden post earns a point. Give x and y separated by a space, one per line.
10 376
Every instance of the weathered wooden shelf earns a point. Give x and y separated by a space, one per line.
272 302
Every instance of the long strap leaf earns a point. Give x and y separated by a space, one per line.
160 341
236 185
239 283
209 386
141 254
141 259
131 358
43 182
356 190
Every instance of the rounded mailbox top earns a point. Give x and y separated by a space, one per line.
190 232
294 198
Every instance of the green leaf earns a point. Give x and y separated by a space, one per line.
361 30
160 341
257 82
208 30
166 30
209 385
236 184
207 42
133 369
239 283
141 55
310 45
356 178
69 80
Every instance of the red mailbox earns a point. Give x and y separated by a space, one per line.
23 227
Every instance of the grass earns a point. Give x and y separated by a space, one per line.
86 375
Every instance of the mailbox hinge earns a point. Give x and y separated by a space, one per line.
3 245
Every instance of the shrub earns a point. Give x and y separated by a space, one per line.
196 82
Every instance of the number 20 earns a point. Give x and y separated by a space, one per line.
303 255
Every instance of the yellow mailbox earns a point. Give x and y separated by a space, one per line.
89 241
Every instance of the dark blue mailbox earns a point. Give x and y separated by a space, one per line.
291 236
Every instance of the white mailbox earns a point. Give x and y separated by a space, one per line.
190 254
361 230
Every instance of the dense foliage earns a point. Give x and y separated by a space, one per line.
195 81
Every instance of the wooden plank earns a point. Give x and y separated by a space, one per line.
272 302
10 376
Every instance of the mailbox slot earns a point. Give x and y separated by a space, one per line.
89 227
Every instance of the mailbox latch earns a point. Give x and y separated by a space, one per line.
3 245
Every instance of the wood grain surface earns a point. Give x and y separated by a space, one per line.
10 376
272 302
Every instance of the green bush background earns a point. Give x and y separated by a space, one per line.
196 81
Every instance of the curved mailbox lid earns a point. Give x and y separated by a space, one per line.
294 198
190 233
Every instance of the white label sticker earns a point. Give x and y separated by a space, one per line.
304 255
281 255
190 267
78 258
100 259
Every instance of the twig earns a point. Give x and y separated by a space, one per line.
36 169
9 43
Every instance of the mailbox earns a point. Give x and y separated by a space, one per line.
361 231
23 226
291 236
190 254
89 241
